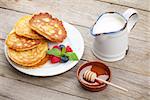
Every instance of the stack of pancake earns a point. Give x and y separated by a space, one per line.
28 41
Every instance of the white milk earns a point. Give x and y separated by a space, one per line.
109 23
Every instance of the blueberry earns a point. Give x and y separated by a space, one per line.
64 59
61 46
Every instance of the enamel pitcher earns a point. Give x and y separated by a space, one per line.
111 34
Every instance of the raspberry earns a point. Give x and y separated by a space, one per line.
55 59
51 56
57 47
68 49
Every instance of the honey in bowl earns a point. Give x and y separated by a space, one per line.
100 69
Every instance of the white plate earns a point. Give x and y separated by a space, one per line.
74 39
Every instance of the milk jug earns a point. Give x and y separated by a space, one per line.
111 32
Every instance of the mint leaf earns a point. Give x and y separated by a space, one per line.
72 56
63 51
54 52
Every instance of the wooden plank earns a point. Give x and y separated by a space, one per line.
17 90
78 12
139 50
4 98
138 4
67 82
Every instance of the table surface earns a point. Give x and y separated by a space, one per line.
133 72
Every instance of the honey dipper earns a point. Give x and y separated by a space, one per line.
92 76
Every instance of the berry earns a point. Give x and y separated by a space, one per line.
61 46
64 59
68 49
51 56
57 47
55 59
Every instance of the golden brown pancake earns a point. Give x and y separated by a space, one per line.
29 57
50 28
19 43
22 28
43 61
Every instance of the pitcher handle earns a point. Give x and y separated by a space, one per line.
131 16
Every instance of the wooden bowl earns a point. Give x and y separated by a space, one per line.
97 67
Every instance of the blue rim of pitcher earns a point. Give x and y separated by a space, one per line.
91 30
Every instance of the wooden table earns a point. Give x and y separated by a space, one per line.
133 72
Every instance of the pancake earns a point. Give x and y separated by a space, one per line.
19 43
50 28
22 28
29 57
38 65
43 61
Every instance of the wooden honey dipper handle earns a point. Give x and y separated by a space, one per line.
109 83
91 76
